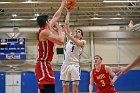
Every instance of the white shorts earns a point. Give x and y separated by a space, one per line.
70 72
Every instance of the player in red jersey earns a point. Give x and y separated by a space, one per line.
46 40
100 75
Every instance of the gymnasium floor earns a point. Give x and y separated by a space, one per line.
130 92
117 92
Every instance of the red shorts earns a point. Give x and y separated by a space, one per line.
40 86
44 73
106 90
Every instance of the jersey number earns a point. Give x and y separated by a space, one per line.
102 82
72 48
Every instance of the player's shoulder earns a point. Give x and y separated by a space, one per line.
107 68
45 32
91 71
69 42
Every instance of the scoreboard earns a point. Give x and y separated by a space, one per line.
12 49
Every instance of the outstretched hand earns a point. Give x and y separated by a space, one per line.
122 70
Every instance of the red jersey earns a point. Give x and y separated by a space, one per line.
43 69
101 78
45 49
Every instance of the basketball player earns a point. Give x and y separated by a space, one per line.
70 69
46 40
100 75
135 63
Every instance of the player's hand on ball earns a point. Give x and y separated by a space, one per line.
70 4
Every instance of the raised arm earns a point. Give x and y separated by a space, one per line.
48 35
57 14
76 41
67 32
66 25
135 63
91 83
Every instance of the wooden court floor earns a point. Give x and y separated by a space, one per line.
117 92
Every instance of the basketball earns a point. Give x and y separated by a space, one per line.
70 4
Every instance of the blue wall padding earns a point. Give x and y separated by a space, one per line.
84 82
58 85
129 81
2 82
28 83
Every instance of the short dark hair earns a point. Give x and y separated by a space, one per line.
81 31
99 57
41 20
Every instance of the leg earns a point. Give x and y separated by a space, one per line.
75 86
65 86
98 91
75 77
49 88
41 88
42 91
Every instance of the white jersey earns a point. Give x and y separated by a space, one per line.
72 53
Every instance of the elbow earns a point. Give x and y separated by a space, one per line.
61 42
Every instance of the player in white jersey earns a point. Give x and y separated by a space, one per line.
70 69
72 53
